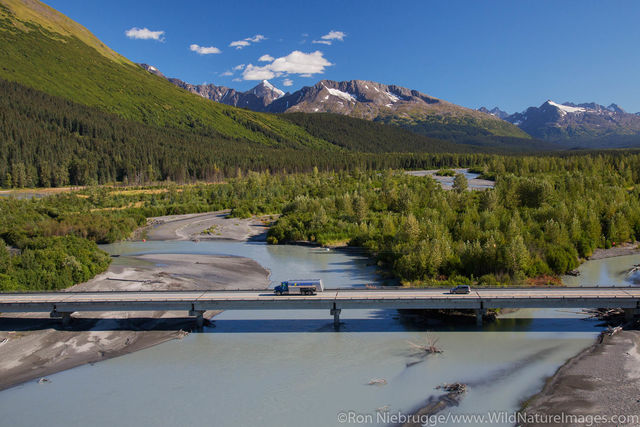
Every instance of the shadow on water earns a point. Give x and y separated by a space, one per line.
216 325
504 373
438 402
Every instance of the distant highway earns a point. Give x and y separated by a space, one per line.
62 304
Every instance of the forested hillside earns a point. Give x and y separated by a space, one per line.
363 135
49 141
468 132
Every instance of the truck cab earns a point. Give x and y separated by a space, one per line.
300 287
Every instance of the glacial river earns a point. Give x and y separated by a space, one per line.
290 368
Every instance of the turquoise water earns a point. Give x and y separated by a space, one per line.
607 272
290 368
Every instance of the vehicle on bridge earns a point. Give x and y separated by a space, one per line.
461 289
302 287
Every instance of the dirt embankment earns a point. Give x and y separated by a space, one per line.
32 345
604 379
211 225
618 250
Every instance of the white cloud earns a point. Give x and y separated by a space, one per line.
266 58
237 79
238 67
239 44
253 72
287 82
330 37
334 35
306 75
144 34
202 50
226 74
296 62
301 63
255 39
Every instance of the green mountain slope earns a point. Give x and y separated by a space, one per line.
453 125
50 141
43 49
363 135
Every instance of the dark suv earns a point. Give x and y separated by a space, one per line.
461 289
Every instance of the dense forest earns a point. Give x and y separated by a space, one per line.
545 213
365 136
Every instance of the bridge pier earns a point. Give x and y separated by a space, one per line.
335 312
65 316
199 315
479 315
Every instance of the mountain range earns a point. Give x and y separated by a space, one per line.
363 99
256 99
587 124
570 125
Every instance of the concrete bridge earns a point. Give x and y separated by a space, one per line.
63 304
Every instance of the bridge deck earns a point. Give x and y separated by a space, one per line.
348 298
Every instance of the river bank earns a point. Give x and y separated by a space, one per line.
619 250
34 346
603 380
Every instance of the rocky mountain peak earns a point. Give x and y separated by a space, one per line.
580 122
152 70
267 91
615 109
495 111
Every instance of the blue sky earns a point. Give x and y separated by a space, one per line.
511 54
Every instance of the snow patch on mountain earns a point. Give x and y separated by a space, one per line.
340 94
273 88
392 97
566 109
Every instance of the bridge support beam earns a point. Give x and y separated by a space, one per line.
335 312
479 315
630 314
199 315
65 316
